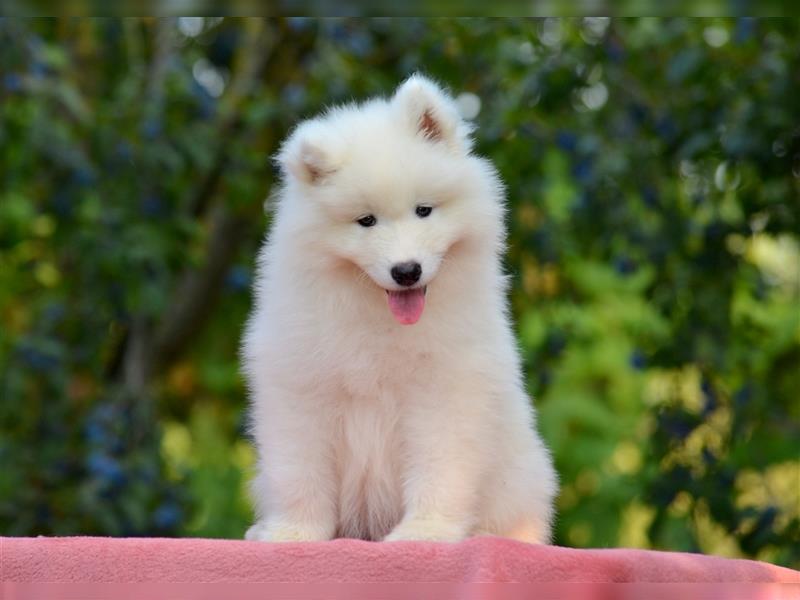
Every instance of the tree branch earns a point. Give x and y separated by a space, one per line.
197 290
136 362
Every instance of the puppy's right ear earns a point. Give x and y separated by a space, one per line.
310 154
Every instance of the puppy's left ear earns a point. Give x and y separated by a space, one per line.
432 113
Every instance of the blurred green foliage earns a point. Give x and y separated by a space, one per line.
653 173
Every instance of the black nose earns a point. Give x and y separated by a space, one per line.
407 273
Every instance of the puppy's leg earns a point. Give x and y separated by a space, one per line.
446 450
294 489
520 503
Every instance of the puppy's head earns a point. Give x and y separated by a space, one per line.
391 187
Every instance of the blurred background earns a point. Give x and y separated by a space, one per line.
653 173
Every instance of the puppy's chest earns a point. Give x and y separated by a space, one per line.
370 433
381 369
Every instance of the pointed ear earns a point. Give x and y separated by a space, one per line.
432 113
310 154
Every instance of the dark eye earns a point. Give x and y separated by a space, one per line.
423 210
367 221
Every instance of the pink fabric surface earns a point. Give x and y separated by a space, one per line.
129 560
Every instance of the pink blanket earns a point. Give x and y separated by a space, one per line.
108 560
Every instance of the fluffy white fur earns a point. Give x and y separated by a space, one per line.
365 427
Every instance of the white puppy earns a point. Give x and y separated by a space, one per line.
387 396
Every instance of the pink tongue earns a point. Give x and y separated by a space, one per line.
407 306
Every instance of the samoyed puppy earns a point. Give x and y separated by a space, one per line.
387 399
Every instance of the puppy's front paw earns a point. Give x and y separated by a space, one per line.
280 531
430 530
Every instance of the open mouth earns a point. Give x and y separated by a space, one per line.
407 305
